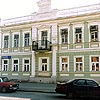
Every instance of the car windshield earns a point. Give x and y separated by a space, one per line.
70 80
5 79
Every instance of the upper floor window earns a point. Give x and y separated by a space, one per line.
78 63
64 35
64 64
16 40
6 41
94 33
78 35
26 39
43 37
95 65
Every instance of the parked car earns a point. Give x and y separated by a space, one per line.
6 85
79 88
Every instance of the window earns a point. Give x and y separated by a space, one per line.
78 35
94 33
26 39
43 37
5 65
16 40
95 64
26 65
64 64
78 63
44 64
91 83
6 39
15 65
80 82
64 35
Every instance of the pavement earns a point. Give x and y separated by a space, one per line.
37 87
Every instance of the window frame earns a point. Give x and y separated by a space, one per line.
60 63
40 63
15 64
60 37
79 62
64 36
16 33
8 40
78 34
25 32
40 33
94 63
26 64
5 64
78 26
93 33
92 24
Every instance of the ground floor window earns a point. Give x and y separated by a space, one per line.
44 64
95 63
4 65
26 65
79 64
15 66
64 64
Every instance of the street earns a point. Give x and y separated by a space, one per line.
36 95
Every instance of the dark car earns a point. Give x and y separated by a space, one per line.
6 85
79 88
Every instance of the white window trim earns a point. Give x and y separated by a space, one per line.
24 32
94 23
40 59
63 27
48 33
13 63
23 63
78 26
75 63
13 38
60 63
3 64
7 34
90 66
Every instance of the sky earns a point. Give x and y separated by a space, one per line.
16 8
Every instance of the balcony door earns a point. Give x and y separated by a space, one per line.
43 38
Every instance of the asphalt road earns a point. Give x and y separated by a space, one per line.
36 95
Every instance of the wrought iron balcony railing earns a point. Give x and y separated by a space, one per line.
41 45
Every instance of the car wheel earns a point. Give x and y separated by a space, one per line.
3 89
69 95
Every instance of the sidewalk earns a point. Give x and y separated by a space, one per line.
37 87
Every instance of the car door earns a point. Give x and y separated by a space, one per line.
93 88
80 88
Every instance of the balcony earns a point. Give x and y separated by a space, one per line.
41 45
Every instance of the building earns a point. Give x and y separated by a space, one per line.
51 45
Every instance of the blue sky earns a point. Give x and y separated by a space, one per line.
17 8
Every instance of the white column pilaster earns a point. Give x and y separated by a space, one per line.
33 65
34 33
54 47
53 61
1 42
